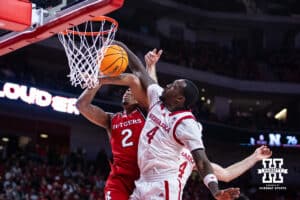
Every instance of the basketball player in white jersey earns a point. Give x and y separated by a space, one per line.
187 164
170 127
186 161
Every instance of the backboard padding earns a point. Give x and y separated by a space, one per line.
62 20
9 20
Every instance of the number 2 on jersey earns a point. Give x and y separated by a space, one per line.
125 140
151 134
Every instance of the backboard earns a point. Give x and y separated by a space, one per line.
47 20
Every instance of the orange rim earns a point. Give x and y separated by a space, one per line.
95 19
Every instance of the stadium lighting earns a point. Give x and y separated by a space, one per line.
281 115
45 136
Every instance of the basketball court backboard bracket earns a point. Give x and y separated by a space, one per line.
38 16
49 24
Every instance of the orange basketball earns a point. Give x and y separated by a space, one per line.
114 62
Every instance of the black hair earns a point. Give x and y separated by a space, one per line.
191 94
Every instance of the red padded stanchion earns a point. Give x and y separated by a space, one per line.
15 15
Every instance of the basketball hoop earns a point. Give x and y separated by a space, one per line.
85 46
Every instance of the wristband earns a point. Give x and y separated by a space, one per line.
210 178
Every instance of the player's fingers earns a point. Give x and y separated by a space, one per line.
229 193
265 147
159 52
147 57
152 55
266 150
147 54
233 190
151 59
235 193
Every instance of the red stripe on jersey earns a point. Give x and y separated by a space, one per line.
177 123
167 189
179 193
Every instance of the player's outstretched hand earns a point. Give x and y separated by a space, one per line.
228 194
152 57
262 152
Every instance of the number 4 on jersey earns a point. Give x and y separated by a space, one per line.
182 168
151 134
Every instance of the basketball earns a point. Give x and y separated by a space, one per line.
114 62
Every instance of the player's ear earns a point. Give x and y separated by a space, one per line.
180 99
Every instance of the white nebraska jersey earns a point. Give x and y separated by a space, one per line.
164 136
186 166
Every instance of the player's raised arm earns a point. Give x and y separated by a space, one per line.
151 58
237 169
93 113
131 81
137 66
210 180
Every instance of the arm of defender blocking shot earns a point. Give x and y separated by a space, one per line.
93 113
136 66
131 81
210 180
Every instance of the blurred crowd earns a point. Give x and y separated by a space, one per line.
242 6
32 175
221 6
280 66
271 66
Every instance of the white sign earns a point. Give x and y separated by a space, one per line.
272 170
38 97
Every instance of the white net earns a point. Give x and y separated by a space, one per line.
85 47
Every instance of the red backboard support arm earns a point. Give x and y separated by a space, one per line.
69 17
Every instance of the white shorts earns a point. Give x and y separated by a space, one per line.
168 189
